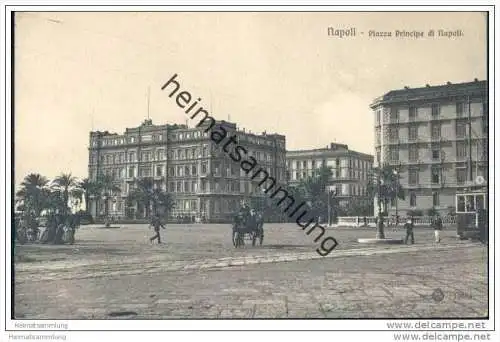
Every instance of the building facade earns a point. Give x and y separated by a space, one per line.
205 183
436 138
350 170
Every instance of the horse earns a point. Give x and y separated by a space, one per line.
250 225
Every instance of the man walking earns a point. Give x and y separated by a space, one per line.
156 224
409 231
438 226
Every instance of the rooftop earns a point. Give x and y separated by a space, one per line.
332 149
474 88
148 126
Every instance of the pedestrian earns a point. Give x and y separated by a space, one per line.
438 226
409 230
156 224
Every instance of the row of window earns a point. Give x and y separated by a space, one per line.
413 200
159 154
198 134
480 149
215 186
316 164
336 174
461 110
460 131
183 171
218 206
437 175
464 203
128 140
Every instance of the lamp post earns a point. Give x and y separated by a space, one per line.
397 172
329 194
380 219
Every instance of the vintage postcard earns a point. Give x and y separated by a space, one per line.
303 169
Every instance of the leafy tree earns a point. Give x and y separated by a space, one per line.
314 190
145 195
385 185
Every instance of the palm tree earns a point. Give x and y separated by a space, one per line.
142 193
53 200
89 188
31 193
385 184
107 188
145 195
65 182
162 201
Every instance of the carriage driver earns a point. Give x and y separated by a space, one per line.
252 218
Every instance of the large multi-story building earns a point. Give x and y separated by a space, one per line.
350 170
436 138
187 163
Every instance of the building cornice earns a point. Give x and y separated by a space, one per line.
475 89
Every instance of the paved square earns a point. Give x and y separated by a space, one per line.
199 274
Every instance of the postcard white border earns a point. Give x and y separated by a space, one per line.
126 325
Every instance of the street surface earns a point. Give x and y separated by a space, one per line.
115 272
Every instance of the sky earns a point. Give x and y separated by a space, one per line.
274 72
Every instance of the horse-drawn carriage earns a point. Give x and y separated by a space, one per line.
248 227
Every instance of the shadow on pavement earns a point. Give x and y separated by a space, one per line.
283 246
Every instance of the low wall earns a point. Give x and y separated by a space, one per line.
359 221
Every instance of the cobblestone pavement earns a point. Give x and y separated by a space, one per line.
289 280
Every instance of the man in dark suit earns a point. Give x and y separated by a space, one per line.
156 224
409 231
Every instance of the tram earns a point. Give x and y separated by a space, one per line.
472 213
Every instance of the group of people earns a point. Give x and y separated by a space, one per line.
28 228
436 224
248 217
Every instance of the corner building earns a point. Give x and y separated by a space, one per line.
350 170
424 134
204 181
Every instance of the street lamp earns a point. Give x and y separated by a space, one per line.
397 172
331 193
